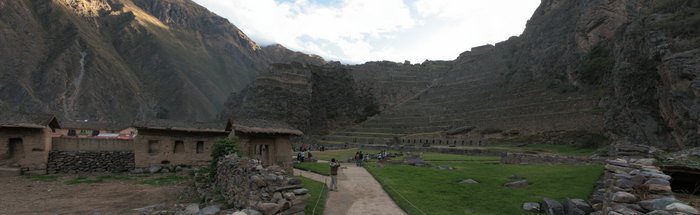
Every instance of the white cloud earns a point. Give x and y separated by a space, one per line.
356 31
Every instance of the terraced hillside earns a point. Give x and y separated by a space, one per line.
482 99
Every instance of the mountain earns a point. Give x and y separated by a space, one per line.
582 72
120 60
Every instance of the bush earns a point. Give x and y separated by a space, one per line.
597 64
221 148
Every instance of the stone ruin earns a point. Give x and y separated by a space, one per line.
628 187
636 186
246 184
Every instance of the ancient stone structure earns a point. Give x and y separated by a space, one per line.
25 141
636 186
265 140
87 161
245 183
175 143
520 158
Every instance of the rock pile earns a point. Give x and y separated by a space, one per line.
636 186
245 183
84 161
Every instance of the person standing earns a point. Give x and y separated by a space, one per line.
334 175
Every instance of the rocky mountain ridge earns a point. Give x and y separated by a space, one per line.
124 60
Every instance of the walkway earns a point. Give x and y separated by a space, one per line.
359 193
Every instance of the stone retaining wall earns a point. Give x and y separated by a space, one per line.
520 158
245 183
86 161
636 186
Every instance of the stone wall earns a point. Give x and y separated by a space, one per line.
636 186
245 183
91 144
519 158
85 161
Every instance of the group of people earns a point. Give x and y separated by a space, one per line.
303 156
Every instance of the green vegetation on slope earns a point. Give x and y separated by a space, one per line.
436 191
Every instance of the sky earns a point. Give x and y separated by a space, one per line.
357 31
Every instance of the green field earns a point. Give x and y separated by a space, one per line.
422 190
315 205
320 168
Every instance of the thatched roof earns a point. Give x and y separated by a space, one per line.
216 127
27 120
93 125
261 126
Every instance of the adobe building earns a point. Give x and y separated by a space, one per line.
265 140
175 143
25 142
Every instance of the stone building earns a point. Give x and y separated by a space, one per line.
175 143
267 141
25 141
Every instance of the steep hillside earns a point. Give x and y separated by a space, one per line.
310 97
119 60
626 69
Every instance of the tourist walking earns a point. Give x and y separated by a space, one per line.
334 175
357 159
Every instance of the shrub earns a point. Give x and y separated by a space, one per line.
597 64
221 148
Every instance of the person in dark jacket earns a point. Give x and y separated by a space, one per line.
334 175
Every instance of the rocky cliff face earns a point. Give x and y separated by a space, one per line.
119 60
309 97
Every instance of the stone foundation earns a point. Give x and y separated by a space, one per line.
82 161
245 183
636 186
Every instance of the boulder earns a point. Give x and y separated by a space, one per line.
302 191
683 208
580 204
249 211
659 212
532 207
657 204
658 181
211 210
656 188
625 210
624 197
192 208
517 184
155 169
137 171
293 181
269 208
552 207
468 181
444 167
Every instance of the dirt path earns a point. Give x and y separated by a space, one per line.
24 196
359 193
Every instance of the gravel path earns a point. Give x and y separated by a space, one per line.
359 193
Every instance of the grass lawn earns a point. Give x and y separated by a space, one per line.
320 168
561 149
436 191
318 191
430 156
